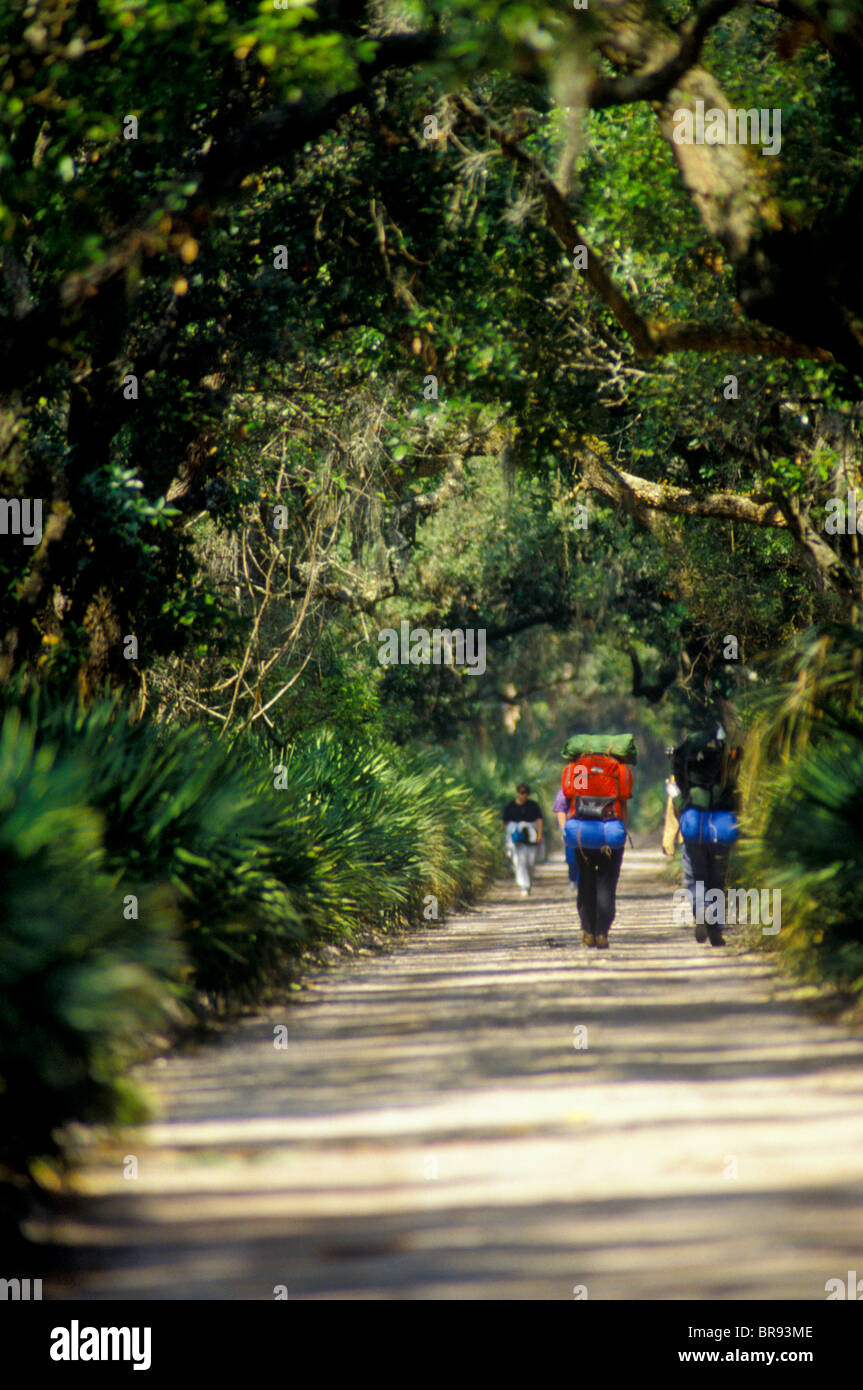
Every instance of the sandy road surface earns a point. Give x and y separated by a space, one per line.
433 1131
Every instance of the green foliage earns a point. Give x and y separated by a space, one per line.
389 829
240 860
803 802
184 811
79 984
407 257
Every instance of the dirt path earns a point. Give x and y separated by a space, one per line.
432 1131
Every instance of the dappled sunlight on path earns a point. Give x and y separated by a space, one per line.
433 1130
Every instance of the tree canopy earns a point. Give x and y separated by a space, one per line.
318 317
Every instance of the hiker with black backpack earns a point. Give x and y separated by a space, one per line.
522 823
704 770
597 783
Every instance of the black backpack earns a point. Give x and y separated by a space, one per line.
700 766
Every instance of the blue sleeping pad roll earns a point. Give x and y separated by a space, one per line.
708 827
594 834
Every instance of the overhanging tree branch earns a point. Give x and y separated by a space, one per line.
636 493
558 613
268 138
648 339
641 498
656 84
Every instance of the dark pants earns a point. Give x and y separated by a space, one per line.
709 865
599 871
688 879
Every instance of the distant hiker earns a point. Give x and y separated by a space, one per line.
704 769
522 822
597 784
561 810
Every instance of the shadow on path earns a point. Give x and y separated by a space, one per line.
491 1110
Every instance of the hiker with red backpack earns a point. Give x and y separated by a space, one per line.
597 782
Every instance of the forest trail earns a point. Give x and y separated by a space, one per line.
431 1131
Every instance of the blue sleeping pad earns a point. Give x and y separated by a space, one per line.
594 834
708 827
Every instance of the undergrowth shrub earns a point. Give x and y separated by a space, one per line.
802 811
79 984
236 856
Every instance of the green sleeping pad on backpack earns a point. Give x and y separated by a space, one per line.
619 746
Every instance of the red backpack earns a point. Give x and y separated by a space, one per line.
595 786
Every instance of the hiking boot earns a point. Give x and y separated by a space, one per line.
588 938
700 932
602 942
717 939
